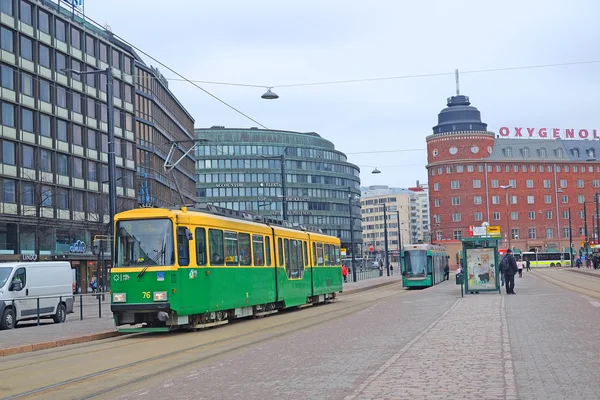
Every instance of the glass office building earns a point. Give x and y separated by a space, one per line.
241 169
54 134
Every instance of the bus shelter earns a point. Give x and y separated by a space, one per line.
481 264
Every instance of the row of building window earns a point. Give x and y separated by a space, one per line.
255 150
529 183
514 215
514 168
42 195
273 164
59 29
478 200
532 233
56 61
525 152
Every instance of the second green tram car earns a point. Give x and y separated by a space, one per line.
423 265
194 268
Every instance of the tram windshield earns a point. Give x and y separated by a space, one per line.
415 262
145 243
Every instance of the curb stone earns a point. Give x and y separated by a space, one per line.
57 343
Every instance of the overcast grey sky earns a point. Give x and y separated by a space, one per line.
278 42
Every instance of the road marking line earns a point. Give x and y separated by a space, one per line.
399 354
595 303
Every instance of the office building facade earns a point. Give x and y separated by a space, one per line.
54 133
537 184
241 169
410 205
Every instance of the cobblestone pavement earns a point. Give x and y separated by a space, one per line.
429 344
554 334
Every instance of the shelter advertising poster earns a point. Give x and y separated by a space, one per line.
481 269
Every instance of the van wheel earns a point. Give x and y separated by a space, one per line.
558 264
8 319
61 314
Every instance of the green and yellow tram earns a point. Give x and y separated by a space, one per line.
423 265
194 268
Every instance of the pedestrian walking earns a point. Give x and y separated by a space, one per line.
345 273
391 269
447 272
520 268
528 265
509 266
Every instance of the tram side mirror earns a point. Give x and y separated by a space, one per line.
188 234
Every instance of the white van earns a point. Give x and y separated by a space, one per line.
22 283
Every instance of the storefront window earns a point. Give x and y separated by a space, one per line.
8 238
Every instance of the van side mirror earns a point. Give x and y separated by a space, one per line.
16 286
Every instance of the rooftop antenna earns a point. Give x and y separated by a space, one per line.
457 88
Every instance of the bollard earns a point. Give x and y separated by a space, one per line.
38 311
99 307
81 307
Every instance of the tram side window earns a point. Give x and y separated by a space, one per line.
299 266
287 257
320 262
231 248
268 250
200 246
245 251
259 252
337 255
305 254
295 259
280 250
183 246
327 255
215 244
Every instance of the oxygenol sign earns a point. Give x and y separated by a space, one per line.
543 133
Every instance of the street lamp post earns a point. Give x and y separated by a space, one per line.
281 159
570 237
385 237
351 235
112 183
352 246
399 241
586 243
597 219
506 187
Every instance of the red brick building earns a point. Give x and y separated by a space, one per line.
473 172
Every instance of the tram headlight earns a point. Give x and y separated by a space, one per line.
160 296
119 297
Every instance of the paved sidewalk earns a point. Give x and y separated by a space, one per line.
352 287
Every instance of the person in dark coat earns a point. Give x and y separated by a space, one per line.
509 265
446 272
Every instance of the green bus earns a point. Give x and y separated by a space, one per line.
423 265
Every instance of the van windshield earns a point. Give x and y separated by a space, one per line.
4 274
145 243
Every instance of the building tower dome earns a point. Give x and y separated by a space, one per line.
459 116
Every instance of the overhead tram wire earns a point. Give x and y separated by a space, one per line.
181 76
415 76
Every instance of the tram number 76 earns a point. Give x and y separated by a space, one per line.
146 295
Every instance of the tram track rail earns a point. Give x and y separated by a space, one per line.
128 373
570 285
